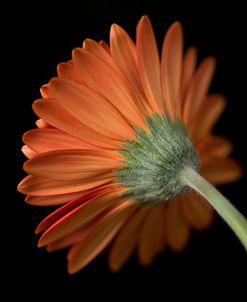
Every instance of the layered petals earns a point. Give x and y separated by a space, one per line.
72 164
38 186
177 229
148 237
99 237
91 109
198 89
221 171
89 114
197 211
55 115
102 78
171 68
52 139
127 240
149 64
79 216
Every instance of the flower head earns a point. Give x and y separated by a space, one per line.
116 128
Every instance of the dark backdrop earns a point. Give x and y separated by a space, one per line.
44 35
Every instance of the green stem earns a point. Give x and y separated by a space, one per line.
225 209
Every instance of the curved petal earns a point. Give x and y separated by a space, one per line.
51 139
29 153
68 71
171 68
58 117
177 229
160 240
42 124
221 170
37 186
104 45
93 47
72 164
103 79
126 240
198 89
45 91
64 210
79 217
188 70
214 146
197 211
149 64
71 239
147 240
209 113
91 109
52 200
123 51
100 236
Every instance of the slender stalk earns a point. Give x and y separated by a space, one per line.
222 205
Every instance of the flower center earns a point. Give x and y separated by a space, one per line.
153 162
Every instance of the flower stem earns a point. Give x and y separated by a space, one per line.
225 209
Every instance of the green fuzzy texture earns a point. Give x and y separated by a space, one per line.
153 161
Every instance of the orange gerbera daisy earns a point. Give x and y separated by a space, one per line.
120 139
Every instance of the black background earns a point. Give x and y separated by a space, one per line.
44 35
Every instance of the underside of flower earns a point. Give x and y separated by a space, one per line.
154 160
121 132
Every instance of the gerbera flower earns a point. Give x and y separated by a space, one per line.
121 138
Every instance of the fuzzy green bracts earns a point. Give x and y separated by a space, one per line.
154 160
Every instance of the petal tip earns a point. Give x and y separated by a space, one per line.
38 230
76 52
21 187
114 268
41 242
144 21
88 42
71 269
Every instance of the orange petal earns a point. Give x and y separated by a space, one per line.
55 115
177 229
103 79
198 89
104 45
65 209
93 47
160 240
126 240
29 153
209 113
123 52
91 109
42 124
221 170
51 139
68 71
52 200
79 217
100 236
171 68
71 239
214 146
188 70
45 91
149 64
33 185
197 211
72 164
147 247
